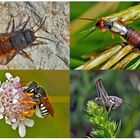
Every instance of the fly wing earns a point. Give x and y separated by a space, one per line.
48 105
101 91
7 53
6 58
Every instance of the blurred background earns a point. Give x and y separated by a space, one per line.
56 83
124 84
98 40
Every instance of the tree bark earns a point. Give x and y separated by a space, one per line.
52 55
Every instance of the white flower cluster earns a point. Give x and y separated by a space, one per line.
15 104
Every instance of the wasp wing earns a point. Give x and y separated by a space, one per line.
48 105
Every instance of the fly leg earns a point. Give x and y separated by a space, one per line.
25 23
23 53
38 43
11 22
22 25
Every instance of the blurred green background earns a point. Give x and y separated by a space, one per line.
98 40
124 84
56 84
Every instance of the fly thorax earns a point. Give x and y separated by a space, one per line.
18 40
119 28
29 35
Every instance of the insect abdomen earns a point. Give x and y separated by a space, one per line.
43 110
133 37
5 45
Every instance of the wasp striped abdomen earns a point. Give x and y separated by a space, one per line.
43 110
133 37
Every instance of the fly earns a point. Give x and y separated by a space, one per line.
17 39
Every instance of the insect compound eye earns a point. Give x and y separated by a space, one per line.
29 36
97 24
100 23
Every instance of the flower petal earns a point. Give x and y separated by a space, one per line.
15 125
8 76
17 79
7 120
38 113
1 90
1 116
22 130
1 109
29 122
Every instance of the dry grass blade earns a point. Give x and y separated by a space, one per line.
100 59
127 15
122 53
126 60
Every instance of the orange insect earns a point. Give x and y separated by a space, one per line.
15 41
39 96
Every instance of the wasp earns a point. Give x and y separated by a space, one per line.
39 96
19 38
131 36
109 102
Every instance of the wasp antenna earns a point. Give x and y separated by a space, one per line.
40 24
88 34
90 19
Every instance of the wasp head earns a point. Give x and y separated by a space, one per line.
31 87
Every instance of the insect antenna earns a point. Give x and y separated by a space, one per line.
45 39
40 25
90 19
131 106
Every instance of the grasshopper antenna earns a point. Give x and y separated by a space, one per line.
132 106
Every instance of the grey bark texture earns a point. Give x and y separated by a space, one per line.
51 56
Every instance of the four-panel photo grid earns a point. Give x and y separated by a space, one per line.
70 69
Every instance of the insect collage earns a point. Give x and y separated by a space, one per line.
68 72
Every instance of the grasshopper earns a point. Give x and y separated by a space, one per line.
109 102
